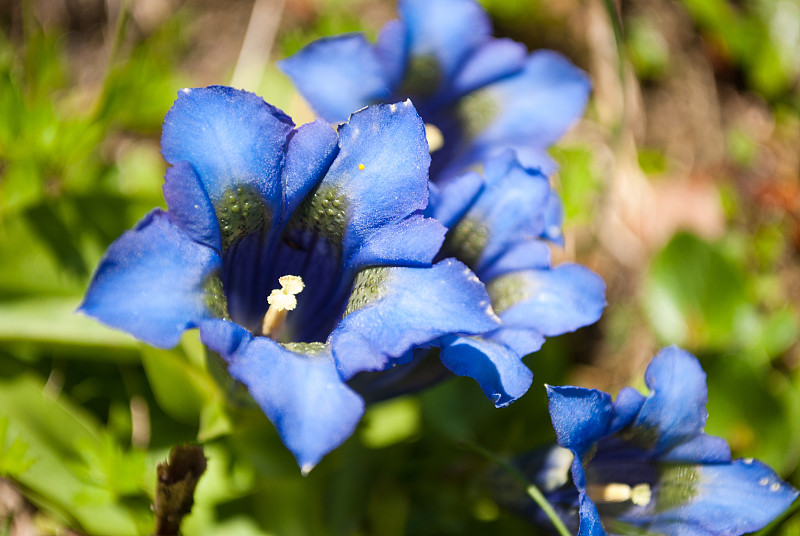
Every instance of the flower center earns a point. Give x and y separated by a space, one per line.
281 301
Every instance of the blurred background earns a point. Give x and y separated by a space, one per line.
680 186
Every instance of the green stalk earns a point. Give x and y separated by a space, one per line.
120 29
530 488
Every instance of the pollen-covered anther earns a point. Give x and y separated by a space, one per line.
281 301
641 495
615 492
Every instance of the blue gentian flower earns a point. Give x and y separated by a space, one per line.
301 254
482 94
500 225
642 464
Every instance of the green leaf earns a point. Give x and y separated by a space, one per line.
391 422
184 389
54 321
56 431
694 294
761 424
13 458
579 184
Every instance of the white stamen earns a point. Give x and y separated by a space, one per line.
291 284
280 302
616 492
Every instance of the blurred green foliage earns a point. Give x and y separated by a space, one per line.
759 37
86 413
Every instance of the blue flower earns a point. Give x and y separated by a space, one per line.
483 94
301 254
500 223
642 465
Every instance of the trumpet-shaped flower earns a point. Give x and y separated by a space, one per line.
301 254
481 94
642 464
500 223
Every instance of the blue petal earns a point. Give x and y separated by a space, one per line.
627 405
452 200
556 301
589 518
448 30
731 499
411 242
150 282
553 219
701 448
540 103
589 524
533 157
492 61
522 341
223 336
528 255
401 308
189 205
511 206
497 369
391 49
303 396
231 138
338 75
676 406
527 112
309 154
580 416
382 171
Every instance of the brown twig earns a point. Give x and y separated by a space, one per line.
175 486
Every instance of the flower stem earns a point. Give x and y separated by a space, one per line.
530 488
120 29
175 487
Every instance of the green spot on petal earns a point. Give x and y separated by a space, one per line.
508 290
423 76
645 438
369 287
324 213
466 241
476 111
677 485
306 348
240 212
215 299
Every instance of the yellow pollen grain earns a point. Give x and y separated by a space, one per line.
361 167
